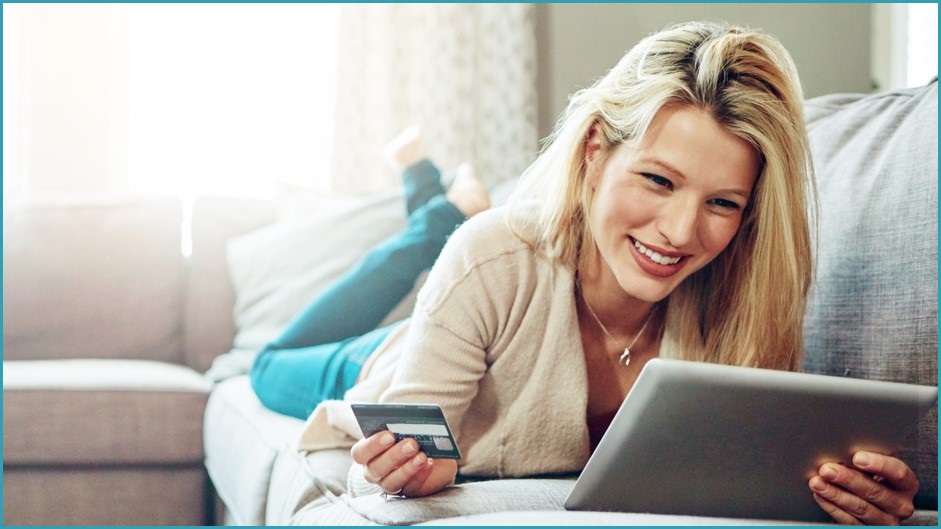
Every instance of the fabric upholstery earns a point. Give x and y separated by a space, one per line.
874 306
460 500
93 278
328 510
257 471
241 440
96 496
101 412
210 296
573 518
466 499
297 480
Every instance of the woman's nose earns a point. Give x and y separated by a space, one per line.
678 220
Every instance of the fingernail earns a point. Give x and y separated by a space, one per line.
409 448
862 459
419 460
387 439
828 473
818 485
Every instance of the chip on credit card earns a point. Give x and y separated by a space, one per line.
423 422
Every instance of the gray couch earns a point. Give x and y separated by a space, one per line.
124 396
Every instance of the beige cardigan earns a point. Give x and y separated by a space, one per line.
494 340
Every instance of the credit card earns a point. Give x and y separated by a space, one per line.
423 422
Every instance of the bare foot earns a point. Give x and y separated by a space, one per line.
467 193
405 149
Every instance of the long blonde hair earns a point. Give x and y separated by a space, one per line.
747 306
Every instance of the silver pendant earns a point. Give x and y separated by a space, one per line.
625 357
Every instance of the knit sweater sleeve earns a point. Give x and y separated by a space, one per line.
469 302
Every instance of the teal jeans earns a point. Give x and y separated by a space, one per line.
321 352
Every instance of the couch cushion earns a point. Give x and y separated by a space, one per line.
101 412
93 278
594 519
459 500
300 479
242 440
873 310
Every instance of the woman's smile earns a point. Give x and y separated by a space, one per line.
657 262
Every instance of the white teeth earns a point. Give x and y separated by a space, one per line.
654 256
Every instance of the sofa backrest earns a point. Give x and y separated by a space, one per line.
210 319
873 311
93 278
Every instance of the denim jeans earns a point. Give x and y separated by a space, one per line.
321 352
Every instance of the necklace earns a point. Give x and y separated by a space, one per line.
626 355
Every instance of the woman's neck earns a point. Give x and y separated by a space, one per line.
619 313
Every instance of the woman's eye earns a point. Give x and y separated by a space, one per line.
658 180
726 204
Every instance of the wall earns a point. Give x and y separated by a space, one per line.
577 43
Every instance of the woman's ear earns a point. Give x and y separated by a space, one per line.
593 143
593 148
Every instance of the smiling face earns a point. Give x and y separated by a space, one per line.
665 207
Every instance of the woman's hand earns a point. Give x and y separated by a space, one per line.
877 490
400 468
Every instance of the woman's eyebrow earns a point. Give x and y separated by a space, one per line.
676 173
664 166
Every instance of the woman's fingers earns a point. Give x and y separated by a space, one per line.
843 506
839 515
404 477
878 491
893 472
365 450
389 464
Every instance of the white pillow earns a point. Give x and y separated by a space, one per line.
277 270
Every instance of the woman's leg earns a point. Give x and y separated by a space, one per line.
360 299
422 182
295 382
320 354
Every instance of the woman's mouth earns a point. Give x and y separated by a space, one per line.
654 256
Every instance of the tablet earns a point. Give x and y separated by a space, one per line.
701 439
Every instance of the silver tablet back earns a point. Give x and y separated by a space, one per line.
710 440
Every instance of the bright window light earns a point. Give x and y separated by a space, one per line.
922 43
11 110
227 99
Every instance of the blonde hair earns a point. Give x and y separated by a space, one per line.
747 306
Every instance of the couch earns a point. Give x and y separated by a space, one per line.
125 399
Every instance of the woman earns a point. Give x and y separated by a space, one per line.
673 198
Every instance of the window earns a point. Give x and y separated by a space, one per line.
922 44
231 99
178 99
11 96
904 45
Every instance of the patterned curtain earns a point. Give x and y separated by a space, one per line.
464 73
